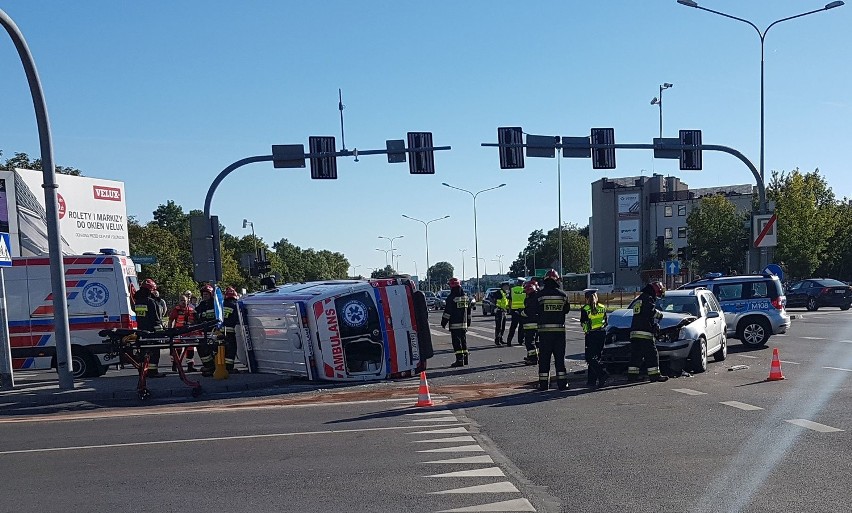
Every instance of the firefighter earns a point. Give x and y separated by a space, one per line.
148 319
183 315
593 321
643 330
500 298
516 304
530 316
457 315
552 306
205 311
231 320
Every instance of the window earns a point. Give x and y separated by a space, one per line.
668 211
668 233
729 292
681 210
759 289
715 304
681 232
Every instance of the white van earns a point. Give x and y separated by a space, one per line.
348 330
99 290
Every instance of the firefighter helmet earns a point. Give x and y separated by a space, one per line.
149 284
231 293
659 289
552 275
454 282
208 289
529 287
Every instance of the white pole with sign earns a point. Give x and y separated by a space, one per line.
7 380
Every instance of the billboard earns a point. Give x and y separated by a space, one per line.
628 205
92 213
4 210
628 230
628 256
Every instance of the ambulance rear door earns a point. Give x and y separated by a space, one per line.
398 322
273 338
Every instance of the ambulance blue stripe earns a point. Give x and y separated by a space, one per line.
383 326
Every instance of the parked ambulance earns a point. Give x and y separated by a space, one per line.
99 290
348 330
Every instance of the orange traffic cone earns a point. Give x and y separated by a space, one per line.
775 369
423 397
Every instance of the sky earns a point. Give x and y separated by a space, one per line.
163 95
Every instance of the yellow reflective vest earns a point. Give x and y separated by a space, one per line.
517 297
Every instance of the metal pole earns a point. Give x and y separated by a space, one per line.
661 111
208 200
559 188
7 377
476 245
54 239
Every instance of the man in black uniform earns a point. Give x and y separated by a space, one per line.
530 325
148 319
205 311
230 321
552 306
643 330
457 315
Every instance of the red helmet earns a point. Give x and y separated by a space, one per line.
529 287
208 289
149 284
231 293
659 289
552 275
454 282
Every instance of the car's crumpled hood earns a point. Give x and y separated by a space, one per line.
623 317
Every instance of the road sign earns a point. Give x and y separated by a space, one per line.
5 251
603 158
288 155
660 150
539 273
511 158
690 160
774 269
144 259
396 150
672 267
764 229
325 167
576 147
541 146
423 161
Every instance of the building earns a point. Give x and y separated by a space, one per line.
628 214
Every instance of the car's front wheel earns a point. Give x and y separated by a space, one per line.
698 356
812 304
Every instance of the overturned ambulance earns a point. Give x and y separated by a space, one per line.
347 330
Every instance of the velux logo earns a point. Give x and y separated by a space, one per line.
107 193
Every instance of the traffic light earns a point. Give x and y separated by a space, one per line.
261 267
603 158
325 167
511 158
661 248
690 160
422 161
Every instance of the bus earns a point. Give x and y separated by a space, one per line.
578 282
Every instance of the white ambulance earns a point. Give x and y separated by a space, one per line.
99 289
347 330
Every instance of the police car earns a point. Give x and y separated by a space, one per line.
754 305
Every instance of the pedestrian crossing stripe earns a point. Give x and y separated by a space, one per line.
510 505
501 487
480 472
452 439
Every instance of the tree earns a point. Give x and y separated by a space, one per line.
387 272
22 161
837 262
440 273
542 250
718 235
807 220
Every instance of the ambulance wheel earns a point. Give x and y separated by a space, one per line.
144 394
84 364
196 392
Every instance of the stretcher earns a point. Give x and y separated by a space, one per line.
133 346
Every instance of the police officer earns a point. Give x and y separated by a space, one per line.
500 299
530 316
457 315
643 331
230 322
148 319
517 296
552 306
593 321
205 311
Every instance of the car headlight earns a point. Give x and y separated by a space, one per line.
684 334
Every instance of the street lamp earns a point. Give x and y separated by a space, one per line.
391 239
246 223
484 266
659 101
397 261
354 267
475 234
762 35
462 251
500 260
426 224
385 251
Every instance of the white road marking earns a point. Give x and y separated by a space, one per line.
465 460
209 439
846 341
746 356
791 363
510 505
741 406
838 368
460 448
486 330
451 439
480 336
437 333
478 472
688 391
501 487
436 419
440 431
813 338
434 412
816 426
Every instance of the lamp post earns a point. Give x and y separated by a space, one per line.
462 251
475 234
391 239
484 267
385 251
246 223
659 102
397 261
426 225
499 260
354 267
762 35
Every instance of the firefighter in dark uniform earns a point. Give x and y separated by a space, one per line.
530 325
593 321
230 321
205 311
148 318
500 299
457 315
552 306
516 305
643 330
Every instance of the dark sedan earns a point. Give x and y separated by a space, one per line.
818 292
